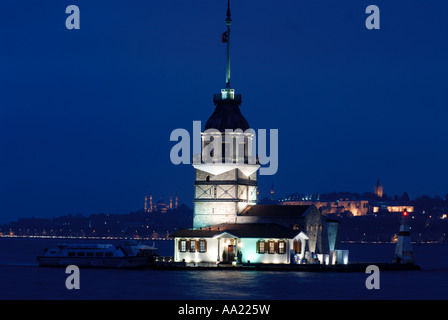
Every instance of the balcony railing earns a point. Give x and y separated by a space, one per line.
197 159
218 98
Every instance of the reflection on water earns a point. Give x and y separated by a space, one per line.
20 278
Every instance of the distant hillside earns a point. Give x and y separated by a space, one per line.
134 224
385 227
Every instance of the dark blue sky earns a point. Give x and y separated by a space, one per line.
86 115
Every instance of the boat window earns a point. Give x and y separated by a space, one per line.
80 254
99 254
90 254
71 254
109 254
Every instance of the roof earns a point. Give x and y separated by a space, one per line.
227 115
277 211
240 230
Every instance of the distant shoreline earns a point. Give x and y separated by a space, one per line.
171 239
85 238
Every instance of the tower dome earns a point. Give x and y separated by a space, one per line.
227 115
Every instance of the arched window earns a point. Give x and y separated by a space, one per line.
207 178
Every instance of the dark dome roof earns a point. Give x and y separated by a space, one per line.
227 115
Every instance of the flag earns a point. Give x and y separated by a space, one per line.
225 37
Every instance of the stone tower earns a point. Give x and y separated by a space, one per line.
226 171
379 189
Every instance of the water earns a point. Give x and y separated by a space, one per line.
20 278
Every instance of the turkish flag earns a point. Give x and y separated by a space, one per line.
225 37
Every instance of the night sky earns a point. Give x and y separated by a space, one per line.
86 115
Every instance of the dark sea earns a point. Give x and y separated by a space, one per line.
21 278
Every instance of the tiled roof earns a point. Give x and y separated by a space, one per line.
240 230
275 210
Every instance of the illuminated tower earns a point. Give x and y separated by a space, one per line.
379 189
171 202
403 250
272 192
146 203
177 202
225 181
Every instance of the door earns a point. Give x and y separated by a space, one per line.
231 253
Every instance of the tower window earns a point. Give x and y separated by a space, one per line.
207 178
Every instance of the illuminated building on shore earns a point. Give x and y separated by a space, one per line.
160 205
378 189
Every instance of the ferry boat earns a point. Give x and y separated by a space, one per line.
129 255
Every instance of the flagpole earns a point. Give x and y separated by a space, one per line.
228 23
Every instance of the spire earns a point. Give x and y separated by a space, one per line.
228 23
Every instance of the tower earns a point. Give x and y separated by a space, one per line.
403 250
378 189
226 171
272 192
146 203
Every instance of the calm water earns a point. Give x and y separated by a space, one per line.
20 278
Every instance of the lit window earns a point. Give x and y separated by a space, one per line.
281 247
271 247
202 245
261 248
183 245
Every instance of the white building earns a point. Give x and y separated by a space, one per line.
240 243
